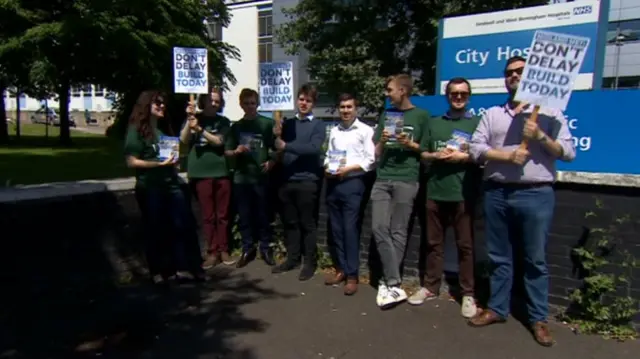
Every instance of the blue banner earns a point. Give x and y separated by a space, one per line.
476 47
604 130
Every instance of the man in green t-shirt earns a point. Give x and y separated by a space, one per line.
248 143
398 139
452 185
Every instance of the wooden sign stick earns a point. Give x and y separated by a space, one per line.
277 117
534 118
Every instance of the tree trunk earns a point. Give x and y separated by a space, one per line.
4 130
18 112
63 95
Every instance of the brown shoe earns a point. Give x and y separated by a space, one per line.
227 259
334 278
351 287
486 317
211 261
542 334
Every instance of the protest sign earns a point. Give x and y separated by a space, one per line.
276 86
552 67
190 70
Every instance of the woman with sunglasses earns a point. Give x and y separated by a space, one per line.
205 134
159 195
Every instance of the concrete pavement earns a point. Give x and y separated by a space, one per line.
252 314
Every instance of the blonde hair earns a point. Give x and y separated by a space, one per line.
403 80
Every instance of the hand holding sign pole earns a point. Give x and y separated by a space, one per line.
552 67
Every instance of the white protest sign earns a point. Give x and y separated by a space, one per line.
553 64
190 70
276 86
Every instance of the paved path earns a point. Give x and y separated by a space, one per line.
251 314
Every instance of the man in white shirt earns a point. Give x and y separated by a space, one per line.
350 154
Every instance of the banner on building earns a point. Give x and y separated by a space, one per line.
592 137
477 47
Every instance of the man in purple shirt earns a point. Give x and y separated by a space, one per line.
519 194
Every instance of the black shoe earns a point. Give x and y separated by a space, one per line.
284 267
267 257
247 256
307 273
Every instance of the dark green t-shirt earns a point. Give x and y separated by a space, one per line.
446 181
207 160
257 134
165 177
397 162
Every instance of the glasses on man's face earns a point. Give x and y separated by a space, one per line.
510 72
459 94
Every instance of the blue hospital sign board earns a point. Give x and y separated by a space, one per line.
477 46
590 115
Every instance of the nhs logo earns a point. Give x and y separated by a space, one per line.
582 10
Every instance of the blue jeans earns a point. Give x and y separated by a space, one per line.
253 214
168 212
344 198
518 213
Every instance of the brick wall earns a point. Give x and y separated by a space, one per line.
97 234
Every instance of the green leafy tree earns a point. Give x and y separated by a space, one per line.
353 45
125 46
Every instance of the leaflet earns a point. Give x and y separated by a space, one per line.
337 160
168 146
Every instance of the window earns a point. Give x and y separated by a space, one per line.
265 23
265 35
627 82
265 47
214 29
99 90
86 89
75 91
623 31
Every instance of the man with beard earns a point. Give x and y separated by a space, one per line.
519 194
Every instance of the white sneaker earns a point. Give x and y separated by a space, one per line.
394 296
382 292
422 295
469 308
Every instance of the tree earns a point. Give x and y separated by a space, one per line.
353 45
125 46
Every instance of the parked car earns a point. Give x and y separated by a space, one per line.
50 116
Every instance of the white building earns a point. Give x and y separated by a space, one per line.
250 31
92 97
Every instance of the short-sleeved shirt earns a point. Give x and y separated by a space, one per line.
448 181
399 163
165 177
257 135
207 160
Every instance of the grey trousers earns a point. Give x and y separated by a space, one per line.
392 206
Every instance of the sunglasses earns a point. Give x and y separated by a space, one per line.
158 102
508 73
461 94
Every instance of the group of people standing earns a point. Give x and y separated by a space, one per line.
464 157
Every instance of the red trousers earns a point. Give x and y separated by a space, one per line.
213 195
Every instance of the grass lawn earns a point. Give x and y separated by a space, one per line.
34 158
